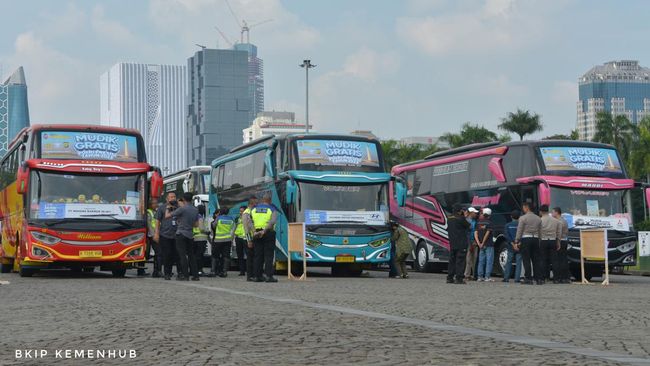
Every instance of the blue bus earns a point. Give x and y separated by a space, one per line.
335 184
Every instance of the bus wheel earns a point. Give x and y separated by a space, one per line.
421 261
26 272
119 273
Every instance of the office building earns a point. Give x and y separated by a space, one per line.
151 99
274 123
14 109
218 103
255 78
616 87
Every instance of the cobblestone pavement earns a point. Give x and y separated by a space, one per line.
234 322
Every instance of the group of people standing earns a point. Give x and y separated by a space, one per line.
535 242
179 233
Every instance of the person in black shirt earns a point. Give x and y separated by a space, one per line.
458 230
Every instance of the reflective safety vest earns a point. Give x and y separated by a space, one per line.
239 230
151 221
198 232
223 229
261 215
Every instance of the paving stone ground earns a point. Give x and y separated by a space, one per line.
170 323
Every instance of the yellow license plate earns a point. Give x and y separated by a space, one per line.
345 259
90 253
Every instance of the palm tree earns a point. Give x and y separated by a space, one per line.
640 153
617 131
469 134
521 123
396 152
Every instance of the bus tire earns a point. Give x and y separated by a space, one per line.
421 261
26 272
119 273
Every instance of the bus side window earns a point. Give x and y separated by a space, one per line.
528 195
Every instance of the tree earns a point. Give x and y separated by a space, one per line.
640 154
617 131
470 134
572 136
396 152
521 123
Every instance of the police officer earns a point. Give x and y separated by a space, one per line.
223 228
549 241
249 230
458 229
240 241
200 234
166 233
152 223
529 231
264 217
561 263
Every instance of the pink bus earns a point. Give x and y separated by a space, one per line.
586 180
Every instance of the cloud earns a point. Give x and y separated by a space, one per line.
499 86
565 92
496 26
368 64
110 29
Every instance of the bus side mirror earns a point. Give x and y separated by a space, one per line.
156 185
292 190
400 193
544 194
22 179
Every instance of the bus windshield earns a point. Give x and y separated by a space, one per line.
97 197
343 204
591 207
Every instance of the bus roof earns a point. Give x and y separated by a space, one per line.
68 127
470 150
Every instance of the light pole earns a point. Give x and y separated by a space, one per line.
307 65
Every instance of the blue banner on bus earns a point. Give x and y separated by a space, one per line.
580 159
338 153
88 145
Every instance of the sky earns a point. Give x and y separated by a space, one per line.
398 68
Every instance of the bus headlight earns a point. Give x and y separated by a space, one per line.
626 247
135 252
38 252
131 239
312 242
45 238
379 242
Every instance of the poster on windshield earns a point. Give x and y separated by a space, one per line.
608 222
88 145
580 159
317 217
338 153
83 210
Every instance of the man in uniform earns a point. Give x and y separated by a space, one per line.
200 233
458 231
527 242
187 218
264 217
223 228
249 230
240 241
166 233
549 241
561 262
152 223
472 247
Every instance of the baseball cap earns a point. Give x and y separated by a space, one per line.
487 211
472 210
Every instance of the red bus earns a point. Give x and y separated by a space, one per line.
586 180
74 196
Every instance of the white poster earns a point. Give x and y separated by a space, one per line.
644 243
123 212
315 217
614 223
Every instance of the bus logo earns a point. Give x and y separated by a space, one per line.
125 210
346 241
88 237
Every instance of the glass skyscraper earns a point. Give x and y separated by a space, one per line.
617 87
255 78
219 104
14 109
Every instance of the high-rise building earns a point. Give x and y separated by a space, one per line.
273 123
255 78
617 87
218 103
151 99
14 109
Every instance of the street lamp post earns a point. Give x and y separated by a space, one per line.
307 65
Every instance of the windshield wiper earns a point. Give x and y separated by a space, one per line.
121 222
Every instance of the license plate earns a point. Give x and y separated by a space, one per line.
345 259
90 253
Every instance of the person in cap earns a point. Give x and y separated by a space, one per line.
527 242
483 237
403 248
264 216
549 241
458 230
510 232
472 249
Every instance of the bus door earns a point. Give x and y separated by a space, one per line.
529 195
